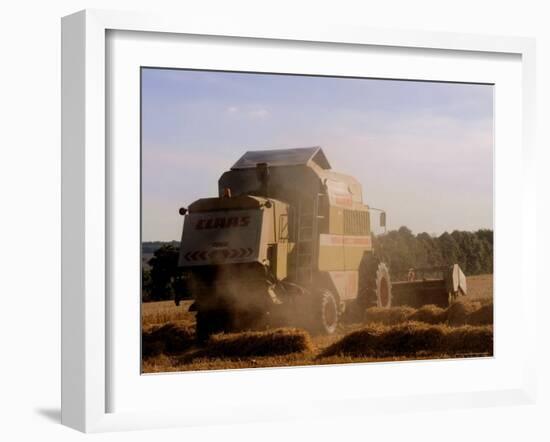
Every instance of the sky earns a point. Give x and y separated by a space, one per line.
423 151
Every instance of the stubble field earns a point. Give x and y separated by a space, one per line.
465 329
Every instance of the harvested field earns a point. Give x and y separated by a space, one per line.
429 314
425 333
482 316
389 316
246 345
458 313
158 313
170 338
480 287
414 338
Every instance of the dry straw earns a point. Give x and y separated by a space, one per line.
413 338
482 316
470 340
280 341
171 338
458 312
388 316
430 314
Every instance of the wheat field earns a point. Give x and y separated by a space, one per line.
401 333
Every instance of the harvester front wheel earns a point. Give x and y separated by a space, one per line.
327 313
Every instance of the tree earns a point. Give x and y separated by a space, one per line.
164 270
485 237
431 248
146 283
398 248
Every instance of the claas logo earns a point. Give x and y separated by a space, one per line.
222 222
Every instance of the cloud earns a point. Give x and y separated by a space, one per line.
259 113
250 112
159 158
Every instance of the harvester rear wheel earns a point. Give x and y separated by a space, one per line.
383 286
375 287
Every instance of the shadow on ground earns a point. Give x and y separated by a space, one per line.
51 414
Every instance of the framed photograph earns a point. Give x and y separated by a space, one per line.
280 210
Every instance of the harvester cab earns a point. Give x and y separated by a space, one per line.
288 240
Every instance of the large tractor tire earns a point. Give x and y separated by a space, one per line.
383 286
326 313
375 289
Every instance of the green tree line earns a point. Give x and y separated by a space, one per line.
400 248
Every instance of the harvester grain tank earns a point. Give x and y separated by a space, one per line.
289 241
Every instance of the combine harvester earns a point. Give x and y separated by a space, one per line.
288 241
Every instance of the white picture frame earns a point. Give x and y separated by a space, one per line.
86 204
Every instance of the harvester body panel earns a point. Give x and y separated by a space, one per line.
222 231
229 236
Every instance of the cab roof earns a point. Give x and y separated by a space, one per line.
301 156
